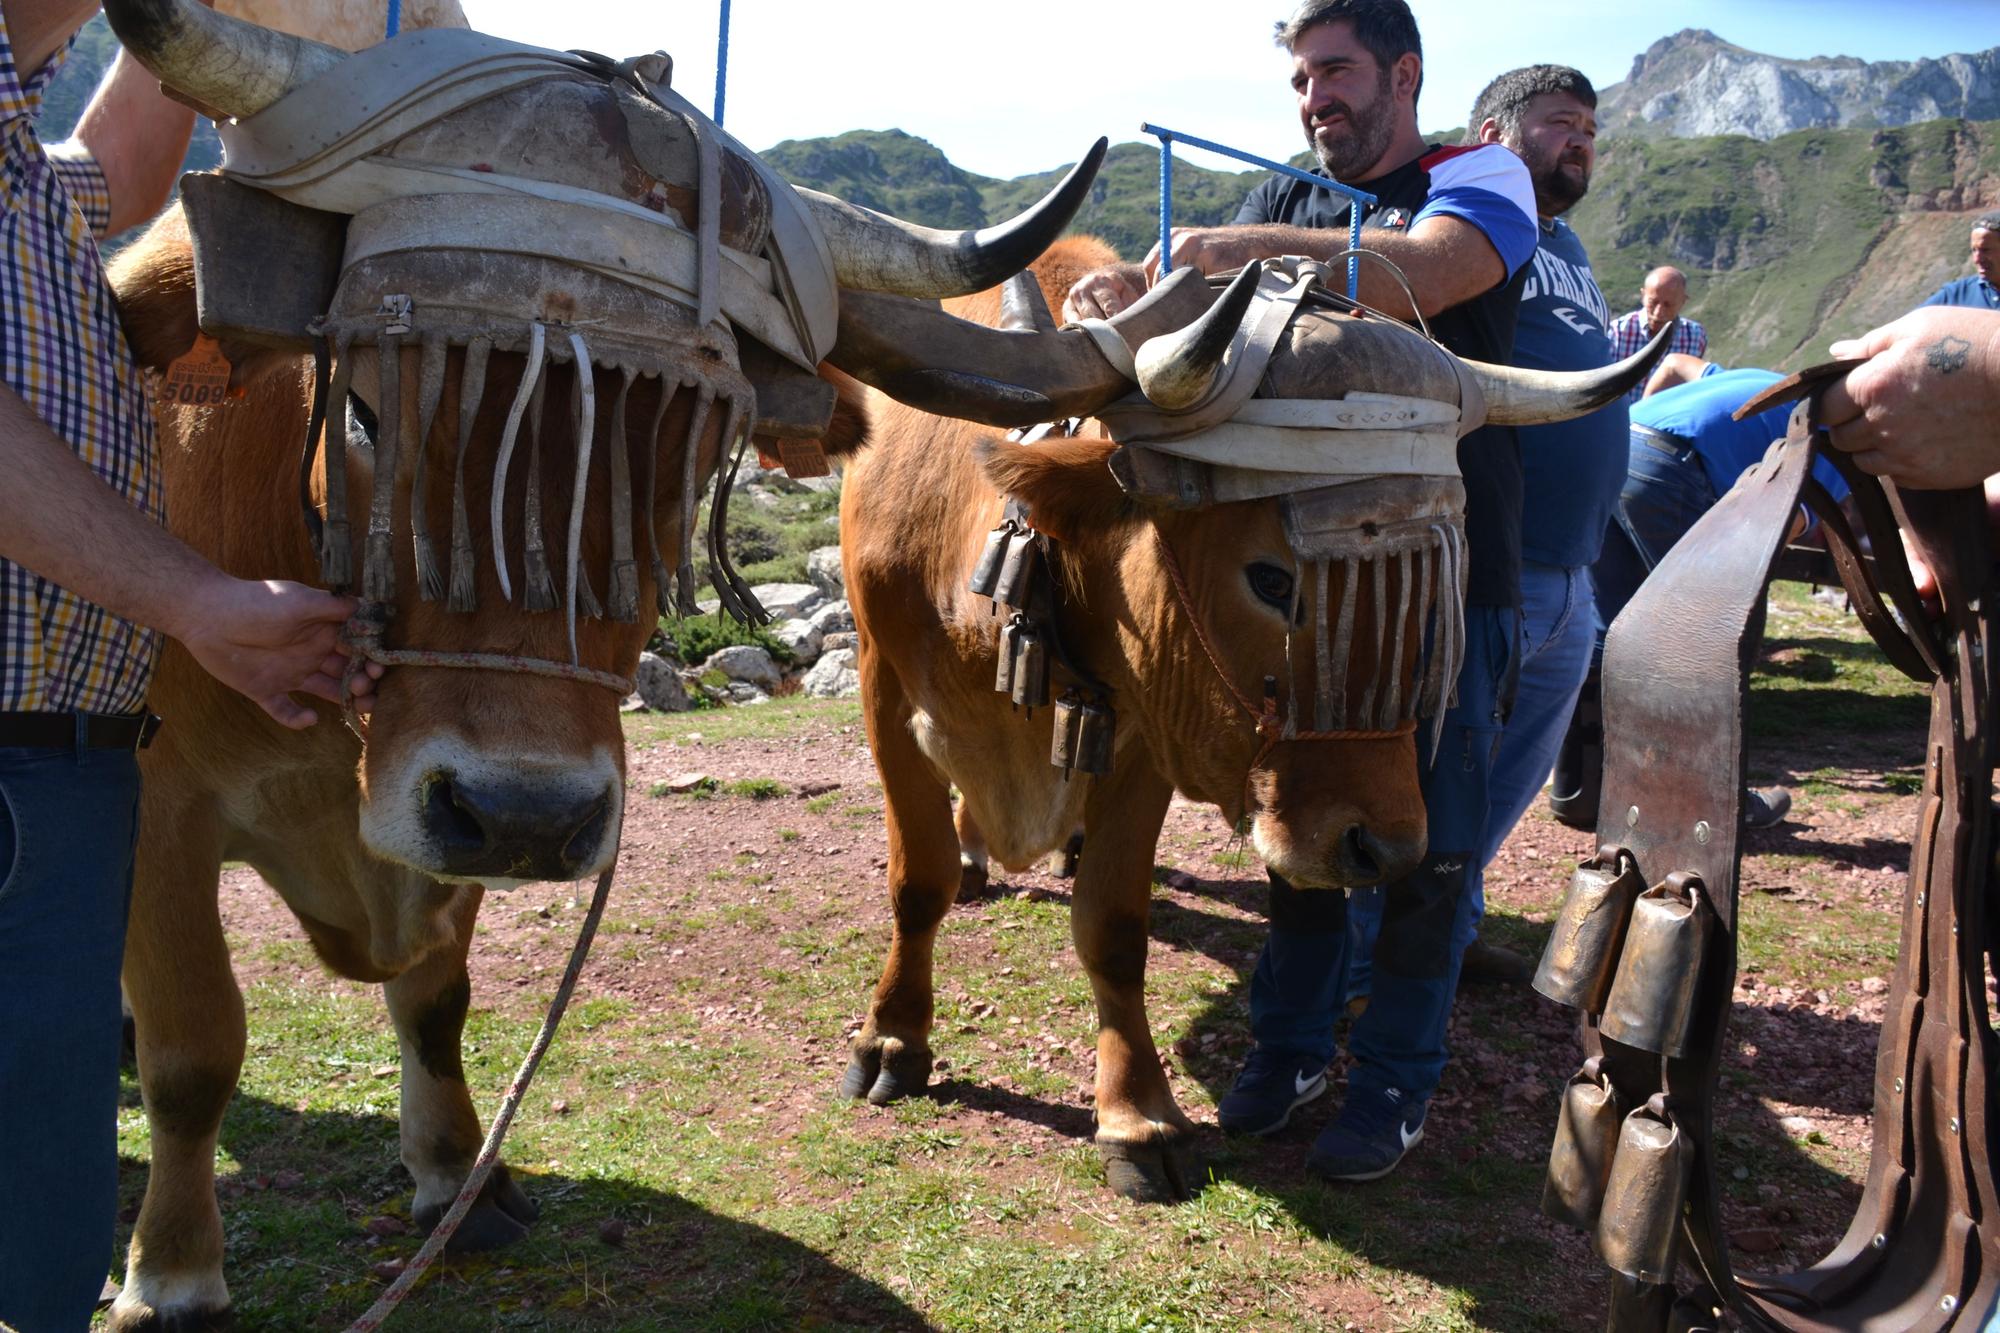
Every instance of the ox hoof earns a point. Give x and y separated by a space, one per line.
502 1216
1168 1171
971 881
129 1316
884 1070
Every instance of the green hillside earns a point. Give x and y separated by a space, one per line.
1783 239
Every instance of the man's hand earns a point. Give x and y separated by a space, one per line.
1925 410
267 640
1210 249
1103 292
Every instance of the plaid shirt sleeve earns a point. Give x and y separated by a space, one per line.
84 181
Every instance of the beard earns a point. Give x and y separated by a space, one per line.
1358 144
1557 190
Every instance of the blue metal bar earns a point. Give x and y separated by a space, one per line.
1166 204
721 60
1360 198
395 24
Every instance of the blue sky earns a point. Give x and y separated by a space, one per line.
1024 85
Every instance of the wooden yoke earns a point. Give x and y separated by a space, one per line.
1923 1250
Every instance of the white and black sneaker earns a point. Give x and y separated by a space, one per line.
1370 1135
1273 1084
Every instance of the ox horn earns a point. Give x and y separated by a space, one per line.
937 362
225 65
876 253
1516 397
1023 308
1176 370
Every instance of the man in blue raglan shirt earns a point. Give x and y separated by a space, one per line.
1981 291
1571 474
1460 223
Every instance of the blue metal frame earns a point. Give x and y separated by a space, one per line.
721 60
1360 198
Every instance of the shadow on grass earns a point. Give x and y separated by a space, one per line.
299 1256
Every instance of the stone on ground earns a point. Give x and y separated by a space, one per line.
660 685
823 568
801 636
833 618
833 676
747 664
789 601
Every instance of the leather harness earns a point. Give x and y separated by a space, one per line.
1921 1252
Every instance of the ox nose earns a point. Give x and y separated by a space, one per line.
512 831
1366 858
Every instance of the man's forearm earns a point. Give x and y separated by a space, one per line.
60 520
139 137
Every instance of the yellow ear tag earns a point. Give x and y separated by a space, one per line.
804 458
199 377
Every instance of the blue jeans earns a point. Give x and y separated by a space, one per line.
1301 977
1666 491
68 819
1557 624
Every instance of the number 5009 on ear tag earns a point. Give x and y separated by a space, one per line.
199 377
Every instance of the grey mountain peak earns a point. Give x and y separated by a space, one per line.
1695 83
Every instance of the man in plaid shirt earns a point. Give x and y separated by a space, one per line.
89 579
1661 297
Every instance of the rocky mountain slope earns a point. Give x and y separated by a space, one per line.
1694 83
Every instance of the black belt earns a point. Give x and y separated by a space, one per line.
58 731
1664 440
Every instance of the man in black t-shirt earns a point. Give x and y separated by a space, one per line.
1460 223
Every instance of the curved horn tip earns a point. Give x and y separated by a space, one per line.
1177 370
1517 397
874 252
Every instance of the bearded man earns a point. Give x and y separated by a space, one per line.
1460 224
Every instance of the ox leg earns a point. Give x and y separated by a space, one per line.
441 1134
1146 1142
891 1055
188 1023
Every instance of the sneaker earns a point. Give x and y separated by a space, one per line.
1273 1084
1369 1136
1765 807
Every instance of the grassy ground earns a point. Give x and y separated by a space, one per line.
697 1169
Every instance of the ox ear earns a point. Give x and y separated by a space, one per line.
1066 484
852 426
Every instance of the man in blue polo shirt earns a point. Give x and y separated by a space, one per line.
1687 450
1979 291
1460 222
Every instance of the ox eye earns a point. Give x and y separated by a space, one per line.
1272 584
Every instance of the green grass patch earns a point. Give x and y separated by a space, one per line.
755 789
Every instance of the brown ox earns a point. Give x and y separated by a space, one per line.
917 508
468 778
